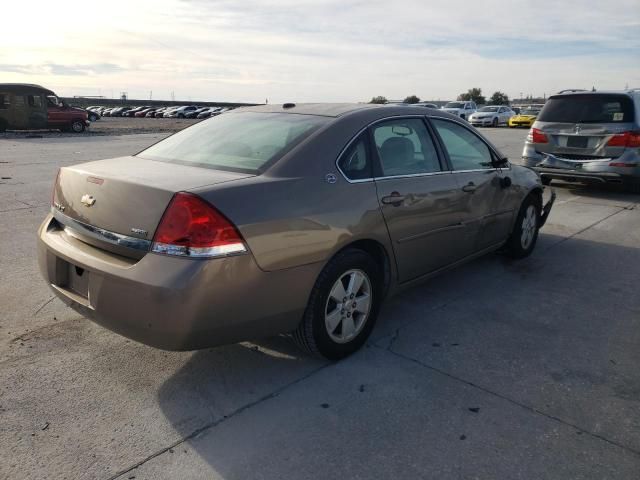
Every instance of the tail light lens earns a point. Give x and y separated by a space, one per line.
625 139
191 227
537 136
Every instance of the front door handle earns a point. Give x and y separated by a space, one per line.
469 187
393 199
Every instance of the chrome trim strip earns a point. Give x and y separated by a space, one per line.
75 228
411 175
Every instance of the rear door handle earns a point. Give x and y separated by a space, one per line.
393 199
469 187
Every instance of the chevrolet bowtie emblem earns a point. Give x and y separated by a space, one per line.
88 200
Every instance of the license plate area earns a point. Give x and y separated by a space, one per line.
577 142
73 278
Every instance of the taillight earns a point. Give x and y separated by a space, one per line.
625 139
191 227
623 164
537 136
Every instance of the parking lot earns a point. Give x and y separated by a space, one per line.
498 369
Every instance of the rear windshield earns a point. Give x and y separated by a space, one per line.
589 108
239 142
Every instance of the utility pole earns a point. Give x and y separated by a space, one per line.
150 94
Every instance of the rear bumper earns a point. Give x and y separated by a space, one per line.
585 170
173 303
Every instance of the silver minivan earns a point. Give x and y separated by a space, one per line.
590 137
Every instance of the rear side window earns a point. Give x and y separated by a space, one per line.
405 147
4 101
588 108
355 163
241 142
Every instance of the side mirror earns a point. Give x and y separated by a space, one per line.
500 162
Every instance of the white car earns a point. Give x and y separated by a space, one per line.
491 116
461 109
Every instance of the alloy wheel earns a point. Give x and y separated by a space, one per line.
348 306
529 225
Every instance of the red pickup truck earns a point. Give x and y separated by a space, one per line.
32 107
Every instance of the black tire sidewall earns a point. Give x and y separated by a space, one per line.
353 259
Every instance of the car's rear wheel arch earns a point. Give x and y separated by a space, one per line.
378 253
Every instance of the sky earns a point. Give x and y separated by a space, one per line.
322 50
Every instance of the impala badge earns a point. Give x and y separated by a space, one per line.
87 200
140 232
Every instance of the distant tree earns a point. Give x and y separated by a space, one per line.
499 98
379 99
411 99
473 95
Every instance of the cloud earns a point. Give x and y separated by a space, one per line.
332 50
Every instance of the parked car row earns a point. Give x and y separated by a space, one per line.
148 111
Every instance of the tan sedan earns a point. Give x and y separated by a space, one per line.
276 219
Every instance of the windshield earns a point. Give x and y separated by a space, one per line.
454 105
588 108
488 109
242 142
530 112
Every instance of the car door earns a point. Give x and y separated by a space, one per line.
488 203
418 197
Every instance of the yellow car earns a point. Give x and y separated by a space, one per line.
524 118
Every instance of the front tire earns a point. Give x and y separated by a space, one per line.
342 307
525 231
77 126
494 124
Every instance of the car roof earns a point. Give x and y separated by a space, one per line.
339 109
22 87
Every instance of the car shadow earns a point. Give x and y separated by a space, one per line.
599 191
218 383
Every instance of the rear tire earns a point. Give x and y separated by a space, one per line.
334 327
632 187
525 231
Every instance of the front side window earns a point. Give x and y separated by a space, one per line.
466 150
405 147
355 163
242 142
4 101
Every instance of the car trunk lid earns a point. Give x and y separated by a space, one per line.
124 197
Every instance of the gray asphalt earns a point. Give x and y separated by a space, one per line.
498 369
